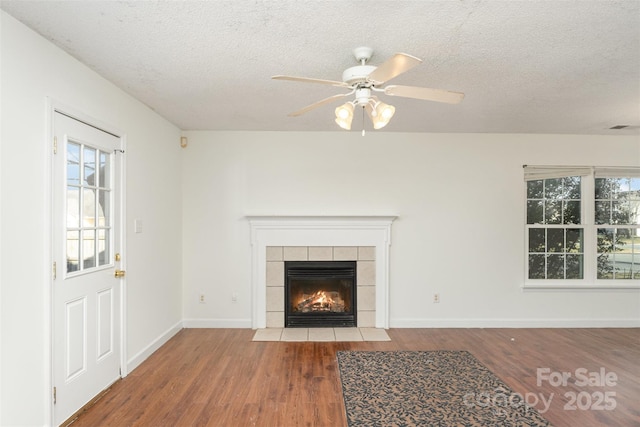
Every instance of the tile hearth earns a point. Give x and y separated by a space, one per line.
321 334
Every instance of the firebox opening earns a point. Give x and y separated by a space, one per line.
320 293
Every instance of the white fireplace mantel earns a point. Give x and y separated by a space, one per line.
319 231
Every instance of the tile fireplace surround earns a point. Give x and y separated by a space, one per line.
275 239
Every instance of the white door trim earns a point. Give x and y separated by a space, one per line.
54 106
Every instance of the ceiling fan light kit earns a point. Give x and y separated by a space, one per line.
344 115
381 115
363 80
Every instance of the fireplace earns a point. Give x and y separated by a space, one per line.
320 294
281 238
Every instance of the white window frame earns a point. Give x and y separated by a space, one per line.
587 206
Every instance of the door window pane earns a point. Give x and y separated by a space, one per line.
73 163
89 163
104 177
73 207
88 248
89 207
73 251
104 204
104 256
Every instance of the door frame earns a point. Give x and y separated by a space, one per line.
53 107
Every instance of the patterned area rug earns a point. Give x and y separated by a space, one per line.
428 388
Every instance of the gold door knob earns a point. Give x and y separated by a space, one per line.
119 273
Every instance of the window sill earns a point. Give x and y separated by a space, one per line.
581 286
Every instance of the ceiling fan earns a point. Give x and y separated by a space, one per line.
364 80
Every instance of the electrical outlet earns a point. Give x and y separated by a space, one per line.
234 297
436 298
202 299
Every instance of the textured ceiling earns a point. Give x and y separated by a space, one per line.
525 66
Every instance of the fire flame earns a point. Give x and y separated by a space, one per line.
318 301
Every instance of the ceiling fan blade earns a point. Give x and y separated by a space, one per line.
317 104
309 80
394 66
424 93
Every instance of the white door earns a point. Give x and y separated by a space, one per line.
86 236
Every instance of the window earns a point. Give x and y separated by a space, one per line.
582 227
88 207
617 208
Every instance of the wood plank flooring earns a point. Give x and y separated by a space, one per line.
219 377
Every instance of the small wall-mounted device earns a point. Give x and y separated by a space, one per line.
183 141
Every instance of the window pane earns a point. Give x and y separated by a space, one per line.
73 250
572 187
553 188
73 207
555 240
603 212
534 212
618 185
88 248
73 163
104 212
603 188
636 266
89 208
634 213
618 253
535 189
605 266
555 266
622 271
536 240
605 240
536 267
623 259
572 212
575 266
105 170
619 215
103 247
553 212
574 240
89 162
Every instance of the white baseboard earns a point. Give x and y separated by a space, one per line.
217 323
136 360
514 323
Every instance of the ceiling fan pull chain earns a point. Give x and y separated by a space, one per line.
363 120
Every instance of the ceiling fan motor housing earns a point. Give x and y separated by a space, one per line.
357 74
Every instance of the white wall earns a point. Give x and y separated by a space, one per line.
460 206
32 69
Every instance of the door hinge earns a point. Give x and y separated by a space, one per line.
54 395
55 270
55 145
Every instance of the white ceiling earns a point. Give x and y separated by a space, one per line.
525 66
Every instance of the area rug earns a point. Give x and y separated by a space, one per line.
428 388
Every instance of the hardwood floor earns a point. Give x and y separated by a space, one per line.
219 377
